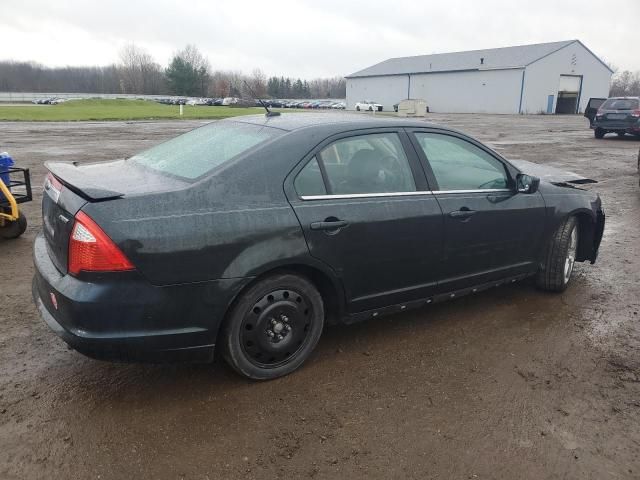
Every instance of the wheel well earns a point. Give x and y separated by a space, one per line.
586 230
328 291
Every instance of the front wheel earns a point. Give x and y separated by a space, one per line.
621 134
357 109
599 132
559 258
273 327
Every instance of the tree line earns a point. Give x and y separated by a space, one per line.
188 73
625 84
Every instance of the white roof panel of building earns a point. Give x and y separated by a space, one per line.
494 58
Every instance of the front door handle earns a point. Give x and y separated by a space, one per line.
329 225
462 214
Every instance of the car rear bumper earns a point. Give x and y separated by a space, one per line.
612 126
122 317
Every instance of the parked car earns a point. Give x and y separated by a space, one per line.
248 235
368 105
619 115
339 106
230 101
592 108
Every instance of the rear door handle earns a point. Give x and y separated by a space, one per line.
462 213
329 225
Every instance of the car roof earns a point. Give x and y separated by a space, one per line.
297 121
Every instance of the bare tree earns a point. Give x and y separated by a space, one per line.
258 82
625 84
139 72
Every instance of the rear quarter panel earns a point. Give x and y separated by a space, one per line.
236 223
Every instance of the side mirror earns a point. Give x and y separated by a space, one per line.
527 183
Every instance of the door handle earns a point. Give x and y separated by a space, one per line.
329 225
462 214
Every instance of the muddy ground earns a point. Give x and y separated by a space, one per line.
512 383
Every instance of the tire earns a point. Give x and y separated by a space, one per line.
621 134
357 109
371 109
14 229
273 327
599 132
555 272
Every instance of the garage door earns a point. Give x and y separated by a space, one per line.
569 83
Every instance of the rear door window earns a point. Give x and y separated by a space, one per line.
309 181
373 163
200 151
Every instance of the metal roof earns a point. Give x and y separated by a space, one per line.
493 59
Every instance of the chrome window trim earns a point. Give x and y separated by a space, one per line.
364 195
480 190
398 194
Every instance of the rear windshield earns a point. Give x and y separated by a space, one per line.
620 104
201 150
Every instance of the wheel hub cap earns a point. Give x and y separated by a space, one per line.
276 327
571 255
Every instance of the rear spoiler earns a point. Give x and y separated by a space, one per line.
79 182
550 174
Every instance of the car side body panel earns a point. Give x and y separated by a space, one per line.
197 245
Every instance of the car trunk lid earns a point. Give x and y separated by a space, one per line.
70 186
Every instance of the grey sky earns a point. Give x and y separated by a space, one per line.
307 38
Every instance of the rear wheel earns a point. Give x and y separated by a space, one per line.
273 327
599 132
358 108
559 258
13 229
621 134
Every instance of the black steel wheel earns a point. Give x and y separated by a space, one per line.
599 132
273 327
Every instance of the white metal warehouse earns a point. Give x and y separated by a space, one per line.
557 77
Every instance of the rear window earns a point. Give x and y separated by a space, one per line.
201 150
620 104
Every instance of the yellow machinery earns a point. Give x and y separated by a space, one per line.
13 223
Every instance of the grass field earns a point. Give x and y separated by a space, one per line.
78 110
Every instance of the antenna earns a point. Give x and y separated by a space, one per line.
269 112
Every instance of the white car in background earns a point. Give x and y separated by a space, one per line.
368 106
230 101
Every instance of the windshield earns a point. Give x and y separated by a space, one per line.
201 150
620 104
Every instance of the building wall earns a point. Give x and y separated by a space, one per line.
485 91
387 90
542 77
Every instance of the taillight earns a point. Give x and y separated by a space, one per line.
636 113
53 186
91 250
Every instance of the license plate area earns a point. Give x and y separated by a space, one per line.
616 116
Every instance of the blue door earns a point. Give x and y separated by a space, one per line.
550 104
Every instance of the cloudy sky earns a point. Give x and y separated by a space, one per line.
307 38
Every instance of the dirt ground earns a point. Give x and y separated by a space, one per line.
512 383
